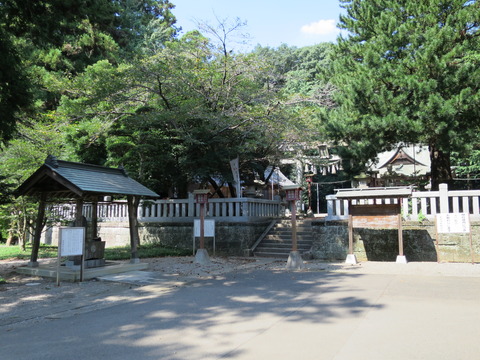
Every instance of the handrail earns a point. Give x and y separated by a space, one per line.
261 237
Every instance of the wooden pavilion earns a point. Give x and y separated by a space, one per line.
58 180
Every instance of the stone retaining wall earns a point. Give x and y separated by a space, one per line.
232 238
330 240
331 243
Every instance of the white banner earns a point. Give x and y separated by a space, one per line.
235 166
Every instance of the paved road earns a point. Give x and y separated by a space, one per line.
271 315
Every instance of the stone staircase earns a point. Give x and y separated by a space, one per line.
278 241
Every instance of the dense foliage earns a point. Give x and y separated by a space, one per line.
112 82
408 72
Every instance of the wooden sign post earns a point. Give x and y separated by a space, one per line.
374 208
208 231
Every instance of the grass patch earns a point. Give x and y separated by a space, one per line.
16 253
114 253
144 251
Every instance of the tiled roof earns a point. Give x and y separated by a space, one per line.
82 179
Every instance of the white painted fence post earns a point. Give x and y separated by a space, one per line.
443 192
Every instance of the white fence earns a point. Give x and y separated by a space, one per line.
422 204
178 210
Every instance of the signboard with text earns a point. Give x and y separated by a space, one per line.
71 241
453 223
209 228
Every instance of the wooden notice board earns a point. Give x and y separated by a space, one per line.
377 216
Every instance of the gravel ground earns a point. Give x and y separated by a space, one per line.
26 299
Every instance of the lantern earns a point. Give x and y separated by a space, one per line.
201 196
293 192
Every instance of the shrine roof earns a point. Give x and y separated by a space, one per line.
72 179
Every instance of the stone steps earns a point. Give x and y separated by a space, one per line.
278 242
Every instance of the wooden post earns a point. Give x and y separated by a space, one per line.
202 226
350 228
94 219
38 230
79 213
294 226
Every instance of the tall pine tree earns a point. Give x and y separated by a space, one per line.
408 71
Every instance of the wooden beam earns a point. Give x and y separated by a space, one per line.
94 219
79 212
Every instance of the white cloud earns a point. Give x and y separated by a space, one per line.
321 27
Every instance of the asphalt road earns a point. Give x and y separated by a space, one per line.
271 315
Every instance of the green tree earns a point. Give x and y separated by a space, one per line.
44 43
177 113
408 71
14 87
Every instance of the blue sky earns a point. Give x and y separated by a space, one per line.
269 22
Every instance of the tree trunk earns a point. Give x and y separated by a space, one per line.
11 240
440 167
38 230
133 202
233 190
22 238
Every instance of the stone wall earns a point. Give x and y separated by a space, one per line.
231 238
330 240
331 243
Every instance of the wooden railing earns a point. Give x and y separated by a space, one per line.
422 204
178 210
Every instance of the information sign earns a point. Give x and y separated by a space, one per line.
71 241
209 228
453 223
